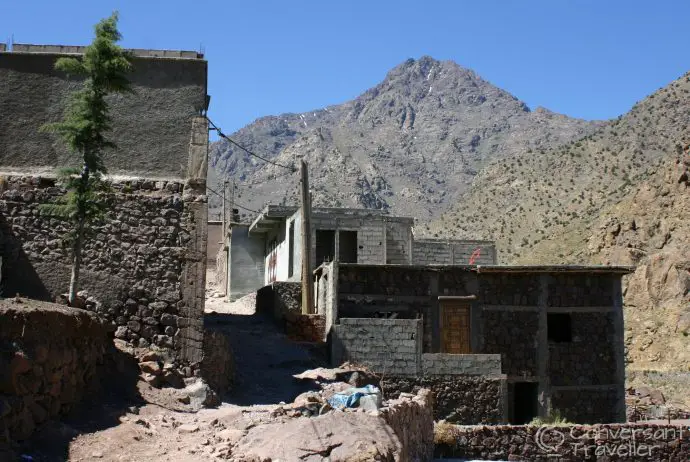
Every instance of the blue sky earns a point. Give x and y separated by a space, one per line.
588 59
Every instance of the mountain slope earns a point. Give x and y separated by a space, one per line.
412 144
537 194
618 196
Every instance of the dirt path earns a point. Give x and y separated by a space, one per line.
265 362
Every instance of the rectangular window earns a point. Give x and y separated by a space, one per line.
325 246
347 252
291 250
559 327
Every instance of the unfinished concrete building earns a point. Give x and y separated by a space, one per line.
496 344
269 249
145 267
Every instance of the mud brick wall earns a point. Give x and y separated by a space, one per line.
49 360
458 399
590 358
615 442
591 406
580 290
413 423
150 126
513 335
141 268
387 346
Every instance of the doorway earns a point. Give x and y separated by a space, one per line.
525 403
455 327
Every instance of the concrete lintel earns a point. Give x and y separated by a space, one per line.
583 387
457 297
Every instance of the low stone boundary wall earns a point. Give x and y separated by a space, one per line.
305 327
458 399
413 423
614 442
218 363
49 356
279 298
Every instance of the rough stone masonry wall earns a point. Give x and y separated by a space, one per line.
611 443
49 356
386 346
413 423
461 399
136 264
591 339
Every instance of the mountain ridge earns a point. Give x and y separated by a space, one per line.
410 144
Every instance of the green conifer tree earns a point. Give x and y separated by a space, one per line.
104 67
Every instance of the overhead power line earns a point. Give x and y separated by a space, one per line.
236 204
230 140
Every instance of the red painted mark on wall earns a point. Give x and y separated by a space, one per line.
477 252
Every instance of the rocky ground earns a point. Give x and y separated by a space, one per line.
252 423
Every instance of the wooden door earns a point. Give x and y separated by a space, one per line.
455 327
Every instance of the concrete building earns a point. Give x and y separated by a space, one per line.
497 344
270 248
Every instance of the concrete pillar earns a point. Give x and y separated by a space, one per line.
544 392
618 348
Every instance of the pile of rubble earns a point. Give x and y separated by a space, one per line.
645 403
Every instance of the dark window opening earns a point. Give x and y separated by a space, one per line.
559 327
325 246
525 404
347 252
291 250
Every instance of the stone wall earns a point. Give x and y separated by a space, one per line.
305 327
49 361
590 406
387 346
144 265
458 399
592 333
513 335
413 423
279 299
616 442
152 138
580 290
218 363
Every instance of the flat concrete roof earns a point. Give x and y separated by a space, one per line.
508 268
78 49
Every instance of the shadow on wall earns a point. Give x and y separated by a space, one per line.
18 274
112 397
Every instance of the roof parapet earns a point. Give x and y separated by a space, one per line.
77 49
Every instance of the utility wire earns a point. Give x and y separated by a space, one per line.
223 135
236 204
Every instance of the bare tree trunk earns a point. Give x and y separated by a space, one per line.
78 237
76 262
